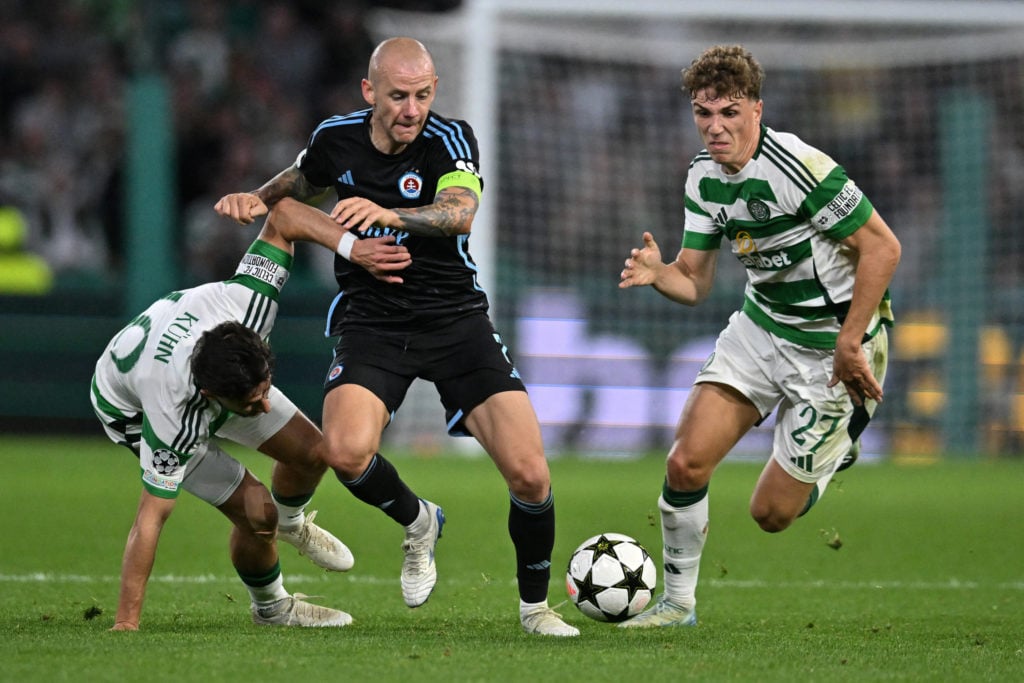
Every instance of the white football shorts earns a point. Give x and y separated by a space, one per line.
815 425
213 475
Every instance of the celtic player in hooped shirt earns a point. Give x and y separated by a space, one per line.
193 368
810 337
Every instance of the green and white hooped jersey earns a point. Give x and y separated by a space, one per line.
143 379
783 214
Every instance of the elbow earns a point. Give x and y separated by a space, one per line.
282 215
701 292
889 259
457 209
889 248
458 225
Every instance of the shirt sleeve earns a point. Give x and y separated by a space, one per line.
453 154
700 231
835 207
167 445
312 161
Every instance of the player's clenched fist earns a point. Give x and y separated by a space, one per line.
241 207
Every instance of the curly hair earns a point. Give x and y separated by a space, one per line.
231 360
727 70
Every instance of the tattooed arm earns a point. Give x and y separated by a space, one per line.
451 214
245 207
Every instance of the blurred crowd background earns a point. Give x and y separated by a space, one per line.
593 142
247 79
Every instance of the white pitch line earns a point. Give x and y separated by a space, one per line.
952 584
48 577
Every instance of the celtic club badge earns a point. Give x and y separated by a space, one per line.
759 210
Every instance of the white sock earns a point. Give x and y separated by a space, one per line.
528 607
290 517
262 596
822 484
683 532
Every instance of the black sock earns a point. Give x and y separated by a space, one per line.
381 487
532 528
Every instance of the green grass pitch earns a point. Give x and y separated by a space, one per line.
927 583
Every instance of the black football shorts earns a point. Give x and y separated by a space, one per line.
466 360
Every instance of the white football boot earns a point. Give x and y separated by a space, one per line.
294 611
319 545
419 573
543 620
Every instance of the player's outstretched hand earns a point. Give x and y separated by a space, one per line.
642 265
241 207
381 257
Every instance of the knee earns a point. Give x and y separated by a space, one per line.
310 463
530 481
261 517
348 455
684 474
315 464
251 510
769 518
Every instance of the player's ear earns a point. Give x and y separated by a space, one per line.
368 93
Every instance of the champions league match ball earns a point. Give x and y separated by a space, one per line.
611 577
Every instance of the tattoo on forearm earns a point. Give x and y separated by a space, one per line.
447 216
288 183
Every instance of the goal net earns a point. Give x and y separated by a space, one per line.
585 141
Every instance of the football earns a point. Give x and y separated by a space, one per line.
611 577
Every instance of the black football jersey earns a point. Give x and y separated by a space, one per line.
441 282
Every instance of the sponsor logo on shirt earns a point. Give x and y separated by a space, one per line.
746 252
775 261
745 243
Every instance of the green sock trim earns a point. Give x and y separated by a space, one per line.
811 500
263 580
293 501
682 499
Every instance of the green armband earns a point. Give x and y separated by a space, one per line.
460 179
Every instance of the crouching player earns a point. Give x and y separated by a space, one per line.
195 366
